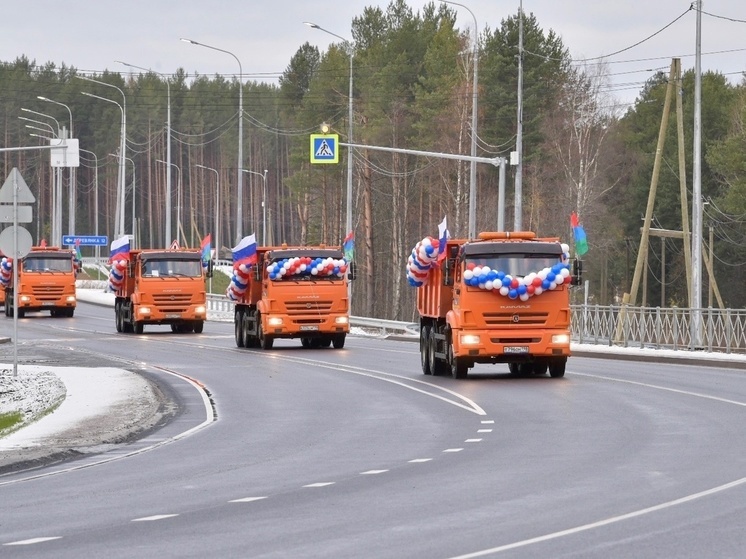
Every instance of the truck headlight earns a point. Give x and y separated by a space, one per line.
563 339
199 309
71 298
274 321
469 339
143 310
25 299
341 320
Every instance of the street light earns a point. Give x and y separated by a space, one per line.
122 149
168 145
95 197
473 170
134 197
239 192
348 221
178 198
56 203
73 171
217 208
264 203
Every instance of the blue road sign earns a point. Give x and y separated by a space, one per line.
85 240
324 148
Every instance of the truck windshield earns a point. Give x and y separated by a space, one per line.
514 265
172 268
48 264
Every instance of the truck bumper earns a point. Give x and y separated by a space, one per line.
150 314
489 346
283 326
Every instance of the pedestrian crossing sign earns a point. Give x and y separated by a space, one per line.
324 148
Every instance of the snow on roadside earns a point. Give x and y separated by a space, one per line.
33 392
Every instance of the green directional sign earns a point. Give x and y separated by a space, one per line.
324 148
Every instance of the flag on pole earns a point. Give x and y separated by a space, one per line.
205 248
348 246
245 251
581 241
78 254
443 236
120 249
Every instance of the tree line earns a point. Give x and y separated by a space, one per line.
412 77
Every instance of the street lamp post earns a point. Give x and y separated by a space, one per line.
95 198
239 191
123 147
348 219
473 169
178 198
134 199
56 225
168 145
73 171
217 208
264 203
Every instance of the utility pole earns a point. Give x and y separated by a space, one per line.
518 217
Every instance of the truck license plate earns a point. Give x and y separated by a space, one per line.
307 327
516 349
173 315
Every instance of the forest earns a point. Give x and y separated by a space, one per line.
413 82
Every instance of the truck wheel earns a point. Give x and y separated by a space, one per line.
70 312
248 339
458 366
513 369
437 366
238 329
138 327
21 313
305 342
118 317
326 342
424 349
338 342
557 368
199 326
265 342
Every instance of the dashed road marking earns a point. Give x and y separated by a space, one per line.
247 499
154 517
488 421
373 472
420 460
484 431
473 441
453 450
34 540
320 484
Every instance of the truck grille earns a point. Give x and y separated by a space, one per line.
308 307
508 319
48 292
172 302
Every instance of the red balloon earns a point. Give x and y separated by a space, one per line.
537 281
530 289
515 283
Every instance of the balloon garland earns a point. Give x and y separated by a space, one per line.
424 256
306 266
6 271
239 282
116 275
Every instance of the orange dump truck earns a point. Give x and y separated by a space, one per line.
46 282
299 292
502 298
158 286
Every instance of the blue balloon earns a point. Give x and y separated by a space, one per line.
513 294
521 290
545 284
551 276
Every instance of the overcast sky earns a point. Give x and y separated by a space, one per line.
264 34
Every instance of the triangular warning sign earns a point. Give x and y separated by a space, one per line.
174 245
15 182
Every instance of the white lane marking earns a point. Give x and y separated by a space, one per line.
468 405
34 540
473 441
484 431
488 421
605 522
420 460
247 500
320 484
373 472
666 389
154 517
453 450
209 418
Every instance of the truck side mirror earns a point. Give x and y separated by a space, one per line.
351 270
208 272
577 272
258 271
448 266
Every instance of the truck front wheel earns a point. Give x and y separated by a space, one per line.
459 367
557 368
238 329
265 341
199 326
138 327
338 341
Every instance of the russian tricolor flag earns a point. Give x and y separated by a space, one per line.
205 249
245 251
120 249
443 236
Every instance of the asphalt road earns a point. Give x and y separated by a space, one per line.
355 453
